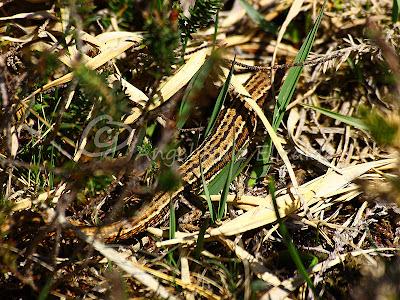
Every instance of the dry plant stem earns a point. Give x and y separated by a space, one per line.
5 99
9 181
57 243
311 62
10 131
3 88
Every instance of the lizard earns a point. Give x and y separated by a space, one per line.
236 122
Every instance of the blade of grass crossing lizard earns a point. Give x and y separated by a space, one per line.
285 95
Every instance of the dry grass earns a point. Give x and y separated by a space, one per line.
64 64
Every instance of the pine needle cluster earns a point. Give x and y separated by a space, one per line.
167 24
201 15
162 37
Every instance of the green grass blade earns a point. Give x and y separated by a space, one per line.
220 101
215 29
289 86
395 10
257 17
194 88
352 121
288 241
172 220
200 240
285 95
207 193
217 184
225 191
44 293
172 230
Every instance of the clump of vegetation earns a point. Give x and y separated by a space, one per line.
162 36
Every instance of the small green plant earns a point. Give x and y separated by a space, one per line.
162 36
219 102
201 15
146 149
225 191
384 129
257 17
